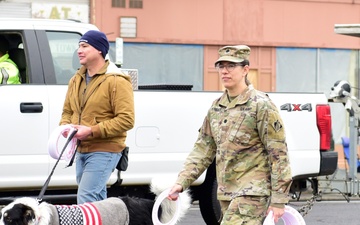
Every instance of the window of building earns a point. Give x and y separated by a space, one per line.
312 69
164 68
118 3
138 4
128 27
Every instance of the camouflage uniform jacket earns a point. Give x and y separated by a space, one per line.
247 137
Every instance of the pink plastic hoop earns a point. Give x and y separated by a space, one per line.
290 217
53 143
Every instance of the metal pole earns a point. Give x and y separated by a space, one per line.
357 73
353 154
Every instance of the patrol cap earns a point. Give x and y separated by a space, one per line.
234 54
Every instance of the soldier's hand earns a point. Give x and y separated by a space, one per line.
174 192
277 212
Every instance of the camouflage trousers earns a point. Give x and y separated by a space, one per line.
249 210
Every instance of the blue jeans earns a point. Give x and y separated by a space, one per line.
92 173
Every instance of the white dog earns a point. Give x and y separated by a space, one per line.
111 211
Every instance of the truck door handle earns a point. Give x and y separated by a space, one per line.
31 107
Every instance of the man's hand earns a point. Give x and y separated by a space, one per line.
278 212
83 132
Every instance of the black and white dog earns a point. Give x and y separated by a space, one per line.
111 211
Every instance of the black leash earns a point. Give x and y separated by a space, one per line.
46 184
73 156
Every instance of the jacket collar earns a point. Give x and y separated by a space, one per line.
102 71
4 57
109 69
239 100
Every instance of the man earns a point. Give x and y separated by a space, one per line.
245 135
9 72
100 105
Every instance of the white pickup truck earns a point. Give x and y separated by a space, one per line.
160 141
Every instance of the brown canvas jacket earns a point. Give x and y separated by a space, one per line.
106 105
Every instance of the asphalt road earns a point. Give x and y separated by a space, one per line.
192 217
323 213
327 212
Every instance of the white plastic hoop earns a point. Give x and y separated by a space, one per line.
290 217
157 204
53 143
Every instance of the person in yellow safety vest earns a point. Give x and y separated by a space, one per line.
9 72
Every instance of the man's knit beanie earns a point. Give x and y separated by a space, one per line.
96 39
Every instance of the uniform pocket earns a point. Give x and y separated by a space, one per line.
253 206
243 130
235 125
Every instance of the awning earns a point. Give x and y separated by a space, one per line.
348 29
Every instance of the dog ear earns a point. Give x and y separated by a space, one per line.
29 215
19 214
7 218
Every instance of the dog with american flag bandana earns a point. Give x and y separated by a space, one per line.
111 211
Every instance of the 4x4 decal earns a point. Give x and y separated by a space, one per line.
296 107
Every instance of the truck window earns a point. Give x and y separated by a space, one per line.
63 47
16 52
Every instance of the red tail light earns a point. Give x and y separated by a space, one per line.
323 120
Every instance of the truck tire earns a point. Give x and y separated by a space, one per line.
209 205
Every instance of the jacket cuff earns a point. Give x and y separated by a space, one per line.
277 205
95 130
279 198
183 183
